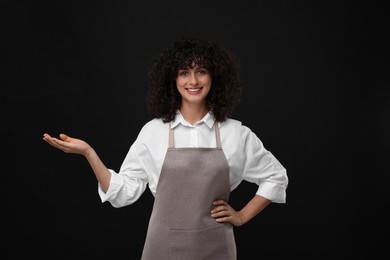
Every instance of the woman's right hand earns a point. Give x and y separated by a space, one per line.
69 144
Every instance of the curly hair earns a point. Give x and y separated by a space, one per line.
163 99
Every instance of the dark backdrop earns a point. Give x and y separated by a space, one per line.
315 79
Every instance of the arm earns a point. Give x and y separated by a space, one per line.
251 162
77 146
223 212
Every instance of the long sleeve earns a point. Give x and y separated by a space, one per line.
262 167
141 166
249 160
129 183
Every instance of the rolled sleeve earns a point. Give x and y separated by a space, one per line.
105 196
272 191
265 170
123 190
127 186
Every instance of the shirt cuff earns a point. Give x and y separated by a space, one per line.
272 191
111 191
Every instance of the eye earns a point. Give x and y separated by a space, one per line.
202 71
183 73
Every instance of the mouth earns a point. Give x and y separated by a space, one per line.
194 91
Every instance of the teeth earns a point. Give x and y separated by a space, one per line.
194 89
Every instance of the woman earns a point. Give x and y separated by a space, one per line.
191 155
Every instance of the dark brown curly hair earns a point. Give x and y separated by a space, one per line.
164 99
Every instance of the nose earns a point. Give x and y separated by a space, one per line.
193 79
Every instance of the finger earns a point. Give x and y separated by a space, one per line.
46 136
55 142
52 143
220 214
58 143
64 137
219 208
64 145
224 219
219 202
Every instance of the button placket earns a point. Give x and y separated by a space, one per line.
194 137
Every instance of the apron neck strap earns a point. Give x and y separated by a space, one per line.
217 135
171 143
171 139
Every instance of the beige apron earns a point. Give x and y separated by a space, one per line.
181 226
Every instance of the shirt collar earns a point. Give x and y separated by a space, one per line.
208 119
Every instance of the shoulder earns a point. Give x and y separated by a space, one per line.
155 124
235 131
235 134
153 129
234 127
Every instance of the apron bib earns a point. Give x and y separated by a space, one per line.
181 226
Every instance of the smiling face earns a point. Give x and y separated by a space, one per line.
193 85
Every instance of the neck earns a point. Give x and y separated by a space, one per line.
192 113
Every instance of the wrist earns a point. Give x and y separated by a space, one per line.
89 153
243 217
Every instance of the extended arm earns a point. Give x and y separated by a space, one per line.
77 146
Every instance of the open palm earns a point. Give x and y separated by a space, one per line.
68 144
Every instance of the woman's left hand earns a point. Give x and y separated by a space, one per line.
223 212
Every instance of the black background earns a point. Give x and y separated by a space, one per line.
315 90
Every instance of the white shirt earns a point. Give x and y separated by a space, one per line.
247 158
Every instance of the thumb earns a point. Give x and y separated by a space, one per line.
64 137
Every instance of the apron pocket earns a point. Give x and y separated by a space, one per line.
207 243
